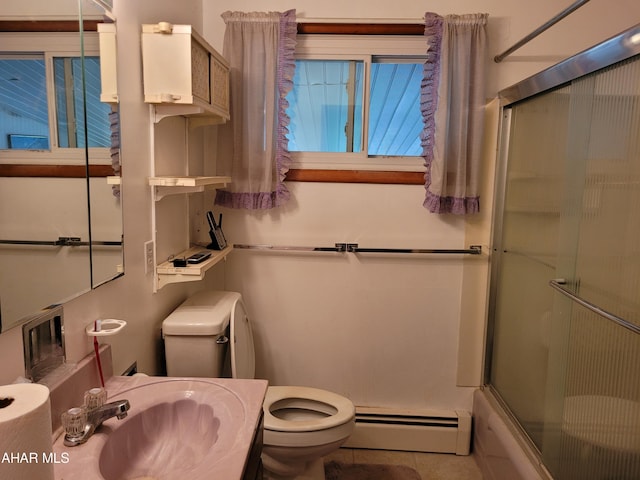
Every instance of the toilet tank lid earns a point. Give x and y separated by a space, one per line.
204 313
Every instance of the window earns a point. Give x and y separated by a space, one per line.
43 105
71 101
24 114
325 106
355 103
327 96
395 120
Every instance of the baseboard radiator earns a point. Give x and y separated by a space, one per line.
434 431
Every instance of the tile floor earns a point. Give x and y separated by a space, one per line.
430 466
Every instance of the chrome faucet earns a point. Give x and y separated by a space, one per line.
83 423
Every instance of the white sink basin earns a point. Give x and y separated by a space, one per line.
173 428
156 441
176 428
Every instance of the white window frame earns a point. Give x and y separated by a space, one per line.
364 48
50 45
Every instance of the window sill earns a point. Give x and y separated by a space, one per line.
55 171
355 176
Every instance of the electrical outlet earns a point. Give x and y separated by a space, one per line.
148 257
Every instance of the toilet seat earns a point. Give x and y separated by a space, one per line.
304 411
332 409
243 355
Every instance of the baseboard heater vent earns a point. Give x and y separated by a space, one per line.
425 431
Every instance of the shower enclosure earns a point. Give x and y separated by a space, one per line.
564 343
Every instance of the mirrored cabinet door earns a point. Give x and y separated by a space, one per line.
60 166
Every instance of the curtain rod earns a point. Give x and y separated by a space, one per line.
570 9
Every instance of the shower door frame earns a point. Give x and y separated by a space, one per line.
614 50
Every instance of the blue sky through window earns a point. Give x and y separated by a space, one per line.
325 107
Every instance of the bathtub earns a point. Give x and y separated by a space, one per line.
497 448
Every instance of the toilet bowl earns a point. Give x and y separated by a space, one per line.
301 424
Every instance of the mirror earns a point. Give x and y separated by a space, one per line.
60 210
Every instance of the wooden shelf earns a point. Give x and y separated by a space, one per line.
198 115
167 273
174 185
188 181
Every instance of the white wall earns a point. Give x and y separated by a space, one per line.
380 329
385 331
393 324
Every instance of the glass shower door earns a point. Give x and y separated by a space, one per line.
567 268
599 434
528 252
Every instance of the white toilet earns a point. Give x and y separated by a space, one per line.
301 424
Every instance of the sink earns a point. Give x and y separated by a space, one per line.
158 439
176 428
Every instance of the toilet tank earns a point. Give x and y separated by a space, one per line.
194 335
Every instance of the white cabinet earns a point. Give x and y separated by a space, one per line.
183 74
108 56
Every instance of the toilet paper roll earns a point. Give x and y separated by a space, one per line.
25 432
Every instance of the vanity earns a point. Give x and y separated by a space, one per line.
196 428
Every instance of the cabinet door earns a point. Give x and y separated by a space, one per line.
253 469
220 85
200 72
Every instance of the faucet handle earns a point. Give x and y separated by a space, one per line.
74 421
95 398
